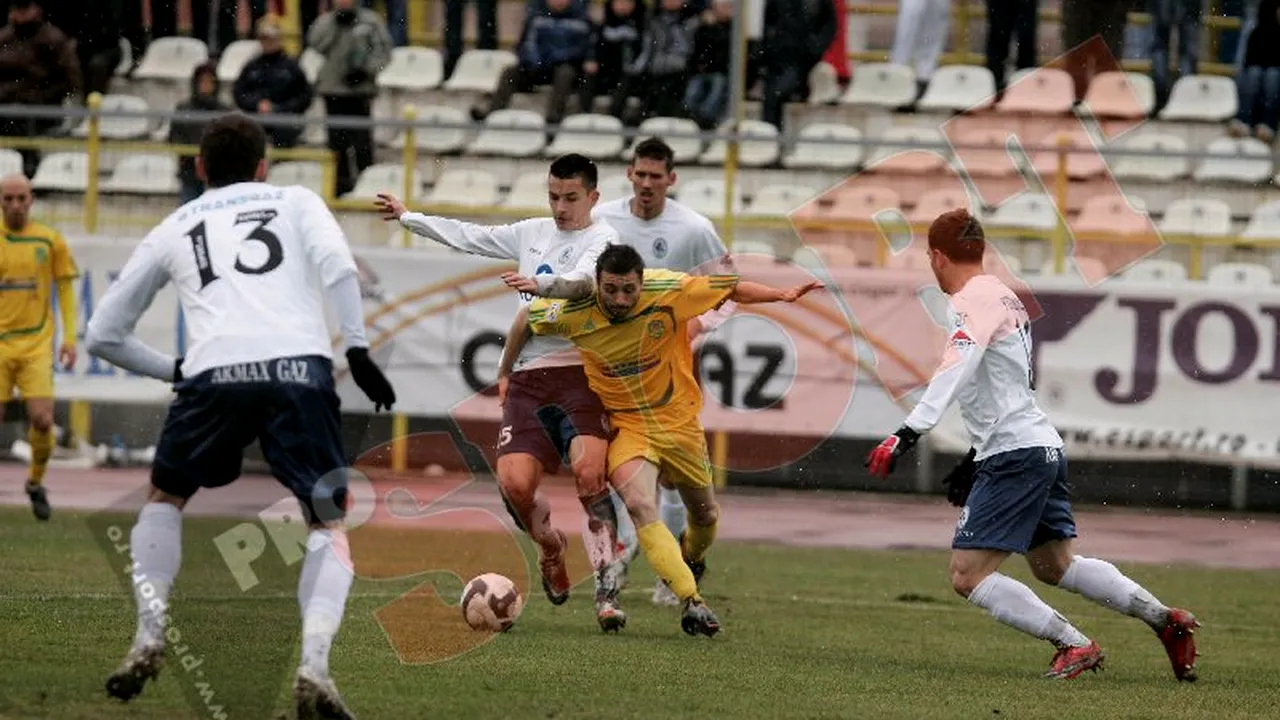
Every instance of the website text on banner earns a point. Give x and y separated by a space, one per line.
1125 369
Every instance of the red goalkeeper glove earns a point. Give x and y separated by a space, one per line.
882 460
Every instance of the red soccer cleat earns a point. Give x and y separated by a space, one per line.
555 574
1071 661
1178 637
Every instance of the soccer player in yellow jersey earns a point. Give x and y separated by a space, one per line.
33 260
634 335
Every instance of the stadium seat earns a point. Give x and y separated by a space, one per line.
707 196
10 161
751 247
1042 91
428 136
384 177
119 128
1240 275
670 129
311 62
992 259
599 137
833 255
819 146
932 203
306 173
1116 94
775 201
824 85
64 171
1080 165
412 69
234 57
897 150
1169 165
909 258
171 58
1030 211
1236 160
512 133
470 188
1156 271
1207 217
528 192
1264 223
853 203
758 148
1112 213
990 156
881 85
479 70
959 88
145 174
612 187
1088 267
1207 98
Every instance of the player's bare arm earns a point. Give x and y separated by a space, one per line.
517 337
751 293
570 286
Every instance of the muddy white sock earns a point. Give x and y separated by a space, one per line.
1017 606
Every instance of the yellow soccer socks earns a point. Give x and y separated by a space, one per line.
697 540
41 449
663 553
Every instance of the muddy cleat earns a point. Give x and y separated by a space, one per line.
698 618
315 696
610 616
39 501
663 597
1178 637
555 574
697 567
1071 661
139 666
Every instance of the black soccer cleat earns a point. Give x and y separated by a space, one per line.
315 697
697 567
697 619
139 666
39 501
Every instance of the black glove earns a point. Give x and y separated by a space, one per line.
345 17
177 370
885 456
960 480
370 379
356 76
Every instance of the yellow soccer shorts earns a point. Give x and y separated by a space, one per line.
30 373
680 452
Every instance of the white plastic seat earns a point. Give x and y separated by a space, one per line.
671 130
779 200
882 85
824 84
1169 165
900 149
10 161
119 128
1041 91
311 62
820 145
383 177
1156 271
479 70
1208 217
412 69
145 174
1237 160
959 88
429 136
614 187
528 192
1264 223
307 173
234 57
65 171
598 137
1115 94
932 203
1031 211
1207 98
759 146
1240 275
511 133
470 188
171 58
707 196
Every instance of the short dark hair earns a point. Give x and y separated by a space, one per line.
573 165
619 260
958 235
231 148
655 148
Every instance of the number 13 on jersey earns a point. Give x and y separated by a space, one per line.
260 234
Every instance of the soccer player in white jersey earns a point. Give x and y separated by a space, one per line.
549 413
1012 485
672 236
251 263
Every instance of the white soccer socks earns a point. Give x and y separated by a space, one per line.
326 578
1017 605
1102 583
672 511
156 547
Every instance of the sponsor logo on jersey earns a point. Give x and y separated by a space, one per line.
660 247
961 339
285 370
566 256
656 329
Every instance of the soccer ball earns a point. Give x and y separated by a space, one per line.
491 602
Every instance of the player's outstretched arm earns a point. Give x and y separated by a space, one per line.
517 337
570 286
750 293
494 241
110 332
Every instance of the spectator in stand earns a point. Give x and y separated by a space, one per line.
796 35
837 54
615 47
921 34
1258 84
95 27
219 29
273 84
708 94
661 74
204 98
38 66
1007 19
1165 15
1248 21
553 48
1081 21
356 47
486 29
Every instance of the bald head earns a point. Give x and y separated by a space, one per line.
15 197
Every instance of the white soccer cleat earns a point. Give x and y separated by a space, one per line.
139 666
315 696
662 595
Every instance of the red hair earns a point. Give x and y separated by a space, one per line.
958 235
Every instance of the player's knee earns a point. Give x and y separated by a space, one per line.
159 496
42 421
589 472
964 581
704 514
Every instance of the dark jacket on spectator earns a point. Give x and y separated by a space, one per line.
668 44
797 32
188 132
278 79
1263 49
617 43
38 65
712 46
551 39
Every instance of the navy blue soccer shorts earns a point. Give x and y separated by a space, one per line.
288 405
1020 500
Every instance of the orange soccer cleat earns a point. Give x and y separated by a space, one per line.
555 574
1071 661
1178 637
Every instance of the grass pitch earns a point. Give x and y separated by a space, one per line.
807 633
